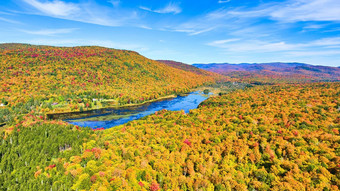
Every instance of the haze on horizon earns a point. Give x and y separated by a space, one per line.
212 31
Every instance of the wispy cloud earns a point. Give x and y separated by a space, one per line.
145 8
145 27
311 10
115 3
283 13
253 46
223 1
200 24
193 31
5 13
219 19
336 29
169 8
10 21
313 27
201 31
56 7
314 53
238 45
295 10
87 12
328 42
50 32
222 42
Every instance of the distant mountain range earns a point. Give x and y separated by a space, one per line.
293 72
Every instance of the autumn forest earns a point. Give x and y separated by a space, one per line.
269 129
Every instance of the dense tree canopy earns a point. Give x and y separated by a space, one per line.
39 151
269 137
280 137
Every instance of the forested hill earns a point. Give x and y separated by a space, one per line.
190 68
275 72
69 76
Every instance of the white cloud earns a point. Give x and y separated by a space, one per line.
336 29
145 27
295 10
221 19
5 13
223 1
170 8
87 12
314 53
10 21
217 14
223 42
238 45
145 8
56 7
314 26
115 3
50 32
309 10
286 13
201 24
201 31
258 46
326 42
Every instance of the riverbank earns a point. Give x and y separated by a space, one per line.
100 110
214 90
121 116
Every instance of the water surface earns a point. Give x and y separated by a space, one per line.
124 115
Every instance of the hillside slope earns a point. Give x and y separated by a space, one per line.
275 72
71 78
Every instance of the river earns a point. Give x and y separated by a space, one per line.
124 115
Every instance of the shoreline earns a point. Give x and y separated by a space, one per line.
102 110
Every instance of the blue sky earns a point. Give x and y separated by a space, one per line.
232 31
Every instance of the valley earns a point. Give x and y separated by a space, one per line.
174 95
239 134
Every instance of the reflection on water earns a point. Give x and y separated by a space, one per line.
124 115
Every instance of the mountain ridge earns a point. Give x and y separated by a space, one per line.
274 70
